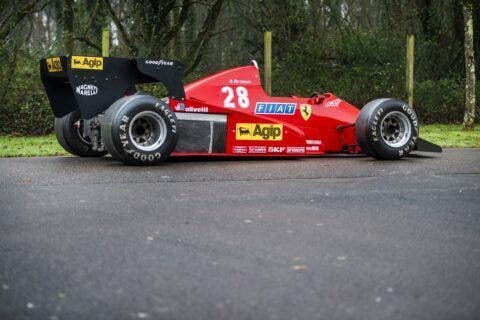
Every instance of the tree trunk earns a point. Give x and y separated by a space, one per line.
68 36
469 117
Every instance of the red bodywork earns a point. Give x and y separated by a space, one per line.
260 125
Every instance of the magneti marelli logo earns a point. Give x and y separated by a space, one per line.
87 89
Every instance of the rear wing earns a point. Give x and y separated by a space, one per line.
92 84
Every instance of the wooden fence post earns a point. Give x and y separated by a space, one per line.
409 67
105 42
268 62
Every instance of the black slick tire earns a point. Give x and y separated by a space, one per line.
71 139
139 130
387 129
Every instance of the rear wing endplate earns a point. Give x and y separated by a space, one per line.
92 84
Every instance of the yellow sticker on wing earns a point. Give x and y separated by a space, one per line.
87 63
54 64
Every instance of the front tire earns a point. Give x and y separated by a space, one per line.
139 130
387 129
69 132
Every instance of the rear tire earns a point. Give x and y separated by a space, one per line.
387 129
71 137
139 130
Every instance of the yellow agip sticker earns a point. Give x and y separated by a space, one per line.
87 63
54 64
259 131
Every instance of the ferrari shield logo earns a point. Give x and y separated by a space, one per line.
305 111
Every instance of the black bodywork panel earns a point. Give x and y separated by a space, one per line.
71 85
201 136
427 146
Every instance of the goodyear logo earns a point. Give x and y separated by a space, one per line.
275 108
88 63
259 131
54 64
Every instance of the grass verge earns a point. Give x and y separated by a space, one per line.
446 135
32 146
450 135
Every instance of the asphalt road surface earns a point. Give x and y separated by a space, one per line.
325 238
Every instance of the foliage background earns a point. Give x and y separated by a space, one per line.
354 48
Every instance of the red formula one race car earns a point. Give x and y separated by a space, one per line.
99 110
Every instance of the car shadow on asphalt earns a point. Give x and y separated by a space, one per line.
339 156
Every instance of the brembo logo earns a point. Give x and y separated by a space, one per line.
87 90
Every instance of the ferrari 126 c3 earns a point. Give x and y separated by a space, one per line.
98 110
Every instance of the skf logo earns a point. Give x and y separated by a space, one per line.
305 111
259 131
54 64
88 63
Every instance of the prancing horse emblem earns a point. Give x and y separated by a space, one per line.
305 111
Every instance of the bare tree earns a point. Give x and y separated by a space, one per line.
469 117
68 32
152 33
13 14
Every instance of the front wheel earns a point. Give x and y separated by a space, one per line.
387 129
139 130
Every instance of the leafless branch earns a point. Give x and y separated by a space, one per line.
202 38
92 18
126 38
88 42
16 17
181 20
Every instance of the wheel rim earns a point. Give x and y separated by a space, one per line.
396 129
148 130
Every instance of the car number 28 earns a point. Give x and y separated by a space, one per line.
242 97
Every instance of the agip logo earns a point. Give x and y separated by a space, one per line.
259 131
87 63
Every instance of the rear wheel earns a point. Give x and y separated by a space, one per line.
387 129
69 132
140 130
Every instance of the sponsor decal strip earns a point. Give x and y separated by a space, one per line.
239 149
259 131
182 107
159 62
87 63
86 90
278 108
295 149
54 64
333 103
257 149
